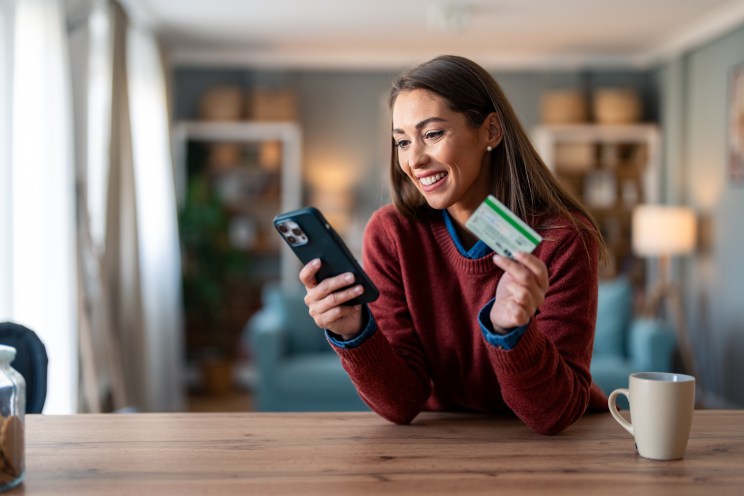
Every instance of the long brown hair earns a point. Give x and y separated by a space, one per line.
519 177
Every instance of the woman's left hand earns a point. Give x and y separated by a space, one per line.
520 291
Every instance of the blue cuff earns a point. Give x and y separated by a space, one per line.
506 341
368 328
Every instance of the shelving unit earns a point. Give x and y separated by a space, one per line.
288 134
611 168
232 178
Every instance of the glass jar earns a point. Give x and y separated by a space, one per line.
12 409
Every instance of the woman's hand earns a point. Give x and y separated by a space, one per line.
520 291
324 301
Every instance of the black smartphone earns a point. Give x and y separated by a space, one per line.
311 236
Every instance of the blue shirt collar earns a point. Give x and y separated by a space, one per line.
478 250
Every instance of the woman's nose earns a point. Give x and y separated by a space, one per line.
417 155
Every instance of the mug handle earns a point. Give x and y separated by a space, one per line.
611 402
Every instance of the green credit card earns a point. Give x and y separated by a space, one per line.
501 229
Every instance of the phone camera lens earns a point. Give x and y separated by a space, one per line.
296 232
292 239
283 228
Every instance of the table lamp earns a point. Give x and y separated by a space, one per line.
663 231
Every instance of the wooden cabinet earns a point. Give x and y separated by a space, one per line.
611 169
232 178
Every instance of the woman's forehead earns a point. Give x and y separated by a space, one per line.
413 106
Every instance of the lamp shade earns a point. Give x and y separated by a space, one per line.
663 230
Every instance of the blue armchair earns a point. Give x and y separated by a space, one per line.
297 369
624 344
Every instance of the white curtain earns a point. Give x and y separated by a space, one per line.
125 314
91 58
131 332
6 78
157 228
38 264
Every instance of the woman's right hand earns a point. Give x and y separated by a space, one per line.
324 301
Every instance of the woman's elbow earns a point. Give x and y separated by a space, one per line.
398 414
550 425
551 429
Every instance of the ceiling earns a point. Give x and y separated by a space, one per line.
389 34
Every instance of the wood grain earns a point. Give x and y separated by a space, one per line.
359 453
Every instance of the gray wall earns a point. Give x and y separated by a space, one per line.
344 114
695 116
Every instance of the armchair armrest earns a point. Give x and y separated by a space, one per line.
268 336
651 345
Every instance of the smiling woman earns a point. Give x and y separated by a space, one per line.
456 327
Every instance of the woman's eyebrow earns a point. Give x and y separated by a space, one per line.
421 124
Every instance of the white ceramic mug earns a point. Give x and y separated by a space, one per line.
661 408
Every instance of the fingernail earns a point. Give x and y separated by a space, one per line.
349 278
358 289
316 262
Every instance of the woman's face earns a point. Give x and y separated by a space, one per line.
441 152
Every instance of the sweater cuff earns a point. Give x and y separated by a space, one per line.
506 341
368 328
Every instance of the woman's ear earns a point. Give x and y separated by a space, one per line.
493 129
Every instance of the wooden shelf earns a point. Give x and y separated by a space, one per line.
611 168
234 196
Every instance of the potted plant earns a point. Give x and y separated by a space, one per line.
209 263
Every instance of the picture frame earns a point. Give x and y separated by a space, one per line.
736 126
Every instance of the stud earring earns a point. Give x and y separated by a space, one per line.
489 148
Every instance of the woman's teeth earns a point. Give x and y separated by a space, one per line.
429 180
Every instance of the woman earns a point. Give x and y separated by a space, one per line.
457 327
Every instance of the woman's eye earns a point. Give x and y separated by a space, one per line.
402 144
433 135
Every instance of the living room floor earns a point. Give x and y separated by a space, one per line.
238 398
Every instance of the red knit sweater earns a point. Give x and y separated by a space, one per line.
428 352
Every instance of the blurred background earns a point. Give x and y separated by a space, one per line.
146 145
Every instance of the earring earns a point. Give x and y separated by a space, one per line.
489 148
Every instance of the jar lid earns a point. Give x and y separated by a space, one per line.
7 353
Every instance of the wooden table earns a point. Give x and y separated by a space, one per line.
359 453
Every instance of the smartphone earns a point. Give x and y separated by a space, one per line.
311 236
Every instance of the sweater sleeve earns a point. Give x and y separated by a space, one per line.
389 369
545 379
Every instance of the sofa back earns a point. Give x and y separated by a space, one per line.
614 314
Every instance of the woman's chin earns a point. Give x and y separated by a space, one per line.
436 202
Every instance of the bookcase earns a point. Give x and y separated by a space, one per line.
611 169
232 178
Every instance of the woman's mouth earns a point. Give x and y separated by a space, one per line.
434 178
